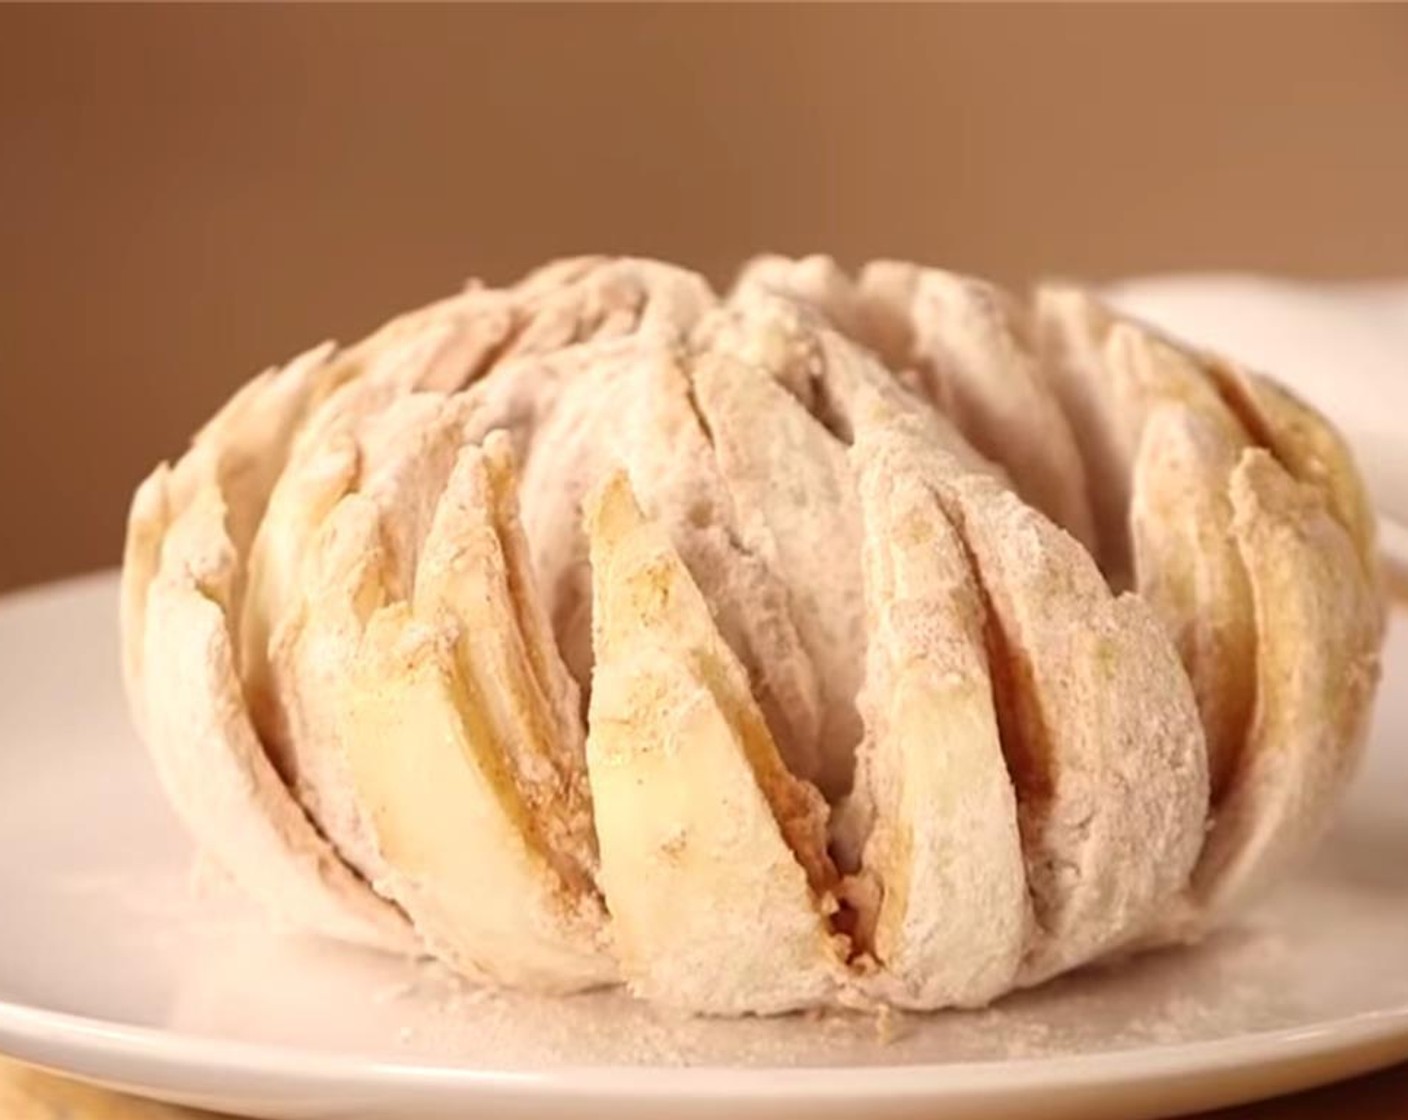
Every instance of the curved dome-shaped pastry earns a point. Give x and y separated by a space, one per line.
865 641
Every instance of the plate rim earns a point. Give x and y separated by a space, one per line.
154 1047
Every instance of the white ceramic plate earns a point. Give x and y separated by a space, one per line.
118 965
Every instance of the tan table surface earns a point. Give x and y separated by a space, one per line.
27 1094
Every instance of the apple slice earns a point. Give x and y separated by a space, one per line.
1308 446
674 472
443 348
816 280
434 349
869 354
1163 444
795 504
212 763
465 749
1189 570
713 857
183 573
1317 623
476 577
580 299
240 452
403 457
1099 725
968 341
943 851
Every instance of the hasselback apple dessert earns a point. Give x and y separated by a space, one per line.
865 640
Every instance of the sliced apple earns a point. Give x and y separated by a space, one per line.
968 341
464 744
712 856
325 463
383 434
1071 329
476 577
1189 570
815 280
1317 619
549 674
572 448
313 482
519 334
190 528
1164 444
869 354
634 407
240 452
585 298
1109 373
1308 446
1144 370
211 761
795 503
785 500
460 847
673 470
1099 725
369 542
943 848
445 347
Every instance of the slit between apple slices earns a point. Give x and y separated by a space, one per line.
712 853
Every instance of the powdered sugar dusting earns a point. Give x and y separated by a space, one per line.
251 984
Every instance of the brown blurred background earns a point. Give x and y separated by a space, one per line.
188 194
